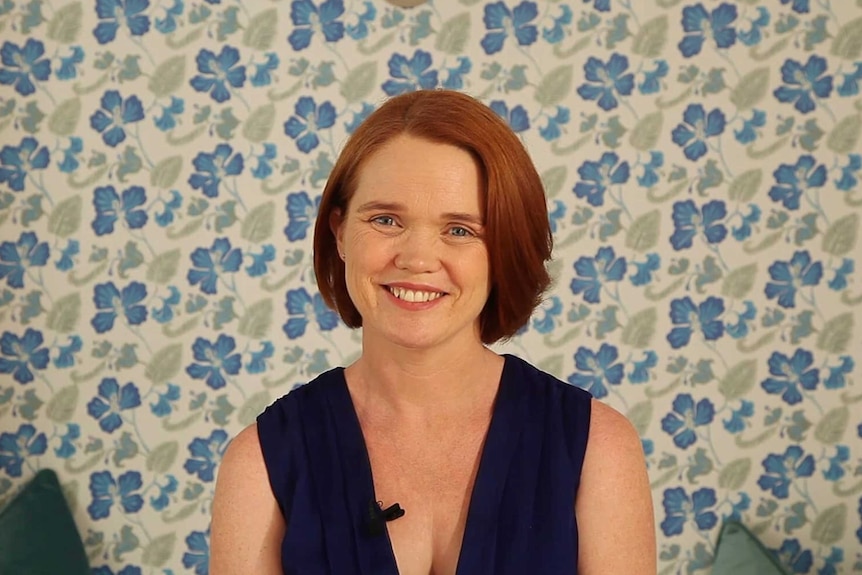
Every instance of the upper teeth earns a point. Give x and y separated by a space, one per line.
414 296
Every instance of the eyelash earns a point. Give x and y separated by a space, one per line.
468 233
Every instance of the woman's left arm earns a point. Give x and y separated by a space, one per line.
616 526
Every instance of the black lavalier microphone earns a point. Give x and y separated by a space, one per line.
377 517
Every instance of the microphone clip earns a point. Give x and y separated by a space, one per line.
378 516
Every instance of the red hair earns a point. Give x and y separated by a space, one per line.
517 231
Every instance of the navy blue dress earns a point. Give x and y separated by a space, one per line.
521 517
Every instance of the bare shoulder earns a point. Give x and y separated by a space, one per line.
614 507
247 524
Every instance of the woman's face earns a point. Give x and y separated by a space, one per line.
412 239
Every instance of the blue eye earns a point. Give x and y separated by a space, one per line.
384 220
460 232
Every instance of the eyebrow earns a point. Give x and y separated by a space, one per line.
396 207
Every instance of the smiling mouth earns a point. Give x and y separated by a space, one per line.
414 296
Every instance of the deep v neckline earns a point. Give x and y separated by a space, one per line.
376 554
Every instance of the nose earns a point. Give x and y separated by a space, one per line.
418 252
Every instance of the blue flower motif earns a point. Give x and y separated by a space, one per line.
552 130
308 18
264 162
650 176
15 446
596 271
106 491
66 261
115 114
164 405
836 378
307 120
741 328
168 120
263 72
410 75
198 555
605 80
691 136
212 263
455 76
168 24
556 214
597 176
640 369
744 229
20 354
802 83
16 162
600 5
517 118
215 72
112 301
849 179
212 168
688 318
358 117
359 30
19 63
738 417
163 499
258 363
547 315
644 270
686 416
755 34
792 180
109 206
652 79
165 313
836 470
70 160
67 441
679 509
793 556
782 470
850 85
500 21
258 266
788 374
301 213
556 33
15 258
206 454
698 23
213 359
749 132
66 353
798 6
689 222
595 369
111 401
789 276
68 69
302 308
112 13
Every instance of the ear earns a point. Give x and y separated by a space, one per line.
336 226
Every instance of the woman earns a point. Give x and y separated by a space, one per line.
431 453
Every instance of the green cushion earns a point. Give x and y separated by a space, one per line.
38 534
740 553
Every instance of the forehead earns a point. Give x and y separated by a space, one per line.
409 169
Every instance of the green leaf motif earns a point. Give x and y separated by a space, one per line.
840 238
651 38
640 416
261 30
739 282
61 406
166 172
647 131
829 526
159 550
165 363
257 319
162 457
168 76
253 407
848 41
734 474
64 119
552 365
555 86
644 232
64 314
831 428
745 186
454 34
65 218
836 334
738 380
258 224
751 89
258 125
164 266
553 180
845 137
639 330
66 23
359 82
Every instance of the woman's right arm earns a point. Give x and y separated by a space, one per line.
247 525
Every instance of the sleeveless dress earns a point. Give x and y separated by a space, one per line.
521 515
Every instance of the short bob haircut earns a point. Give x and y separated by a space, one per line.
517 231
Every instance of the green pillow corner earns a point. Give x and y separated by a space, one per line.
38 533
739 552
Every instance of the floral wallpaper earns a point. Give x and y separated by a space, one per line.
161 164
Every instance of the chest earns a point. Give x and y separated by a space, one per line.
432 478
